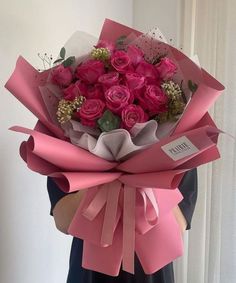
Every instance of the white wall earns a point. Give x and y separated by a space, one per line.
31 250
158 13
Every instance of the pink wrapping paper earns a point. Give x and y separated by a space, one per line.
24 84
99 218
128 206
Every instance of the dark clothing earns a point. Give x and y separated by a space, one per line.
77 274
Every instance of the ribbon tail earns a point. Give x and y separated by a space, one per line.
160 245
155 208
111 212
104 259
96 204
129 229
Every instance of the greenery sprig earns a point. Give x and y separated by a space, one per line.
108 121
66 62
192 86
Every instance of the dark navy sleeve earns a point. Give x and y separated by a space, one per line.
54 192
188 187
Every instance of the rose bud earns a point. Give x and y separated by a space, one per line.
135 54
121 62
154 100
90 71
61 76
70 92
109 79
166 69
74 90
82 87
90 111
148 71
134 81
131 115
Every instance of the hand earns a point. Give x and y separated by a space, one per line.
65 209
180 218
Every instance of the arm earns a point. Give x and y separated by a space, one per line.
63 205
184 211
180 218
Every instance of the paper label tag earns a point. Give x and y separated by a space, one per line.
179 148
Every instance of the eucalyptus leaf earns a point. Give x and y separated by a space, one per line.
63 53
108 121
192 86
69 61
58 61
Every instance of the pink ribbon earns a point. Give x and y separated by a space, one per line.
129 229
110 212
149 199
108 197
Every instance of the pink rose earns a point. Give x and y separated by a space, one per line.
131 115
90 111
135 54
74 90
166 68
117 97
61 76
90 71
106 44
148 71
121 62
154 100
109 79
134 81
70 92
95 91
81 87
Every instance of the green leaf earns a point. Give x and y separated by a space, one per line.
69 61
63 53
58 61
192 86
108 121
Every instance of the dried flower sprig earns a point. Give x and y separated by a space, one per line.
46 60
101 53
172 90
66 108
176 102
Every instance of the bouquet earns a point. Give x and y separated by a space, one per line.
123 117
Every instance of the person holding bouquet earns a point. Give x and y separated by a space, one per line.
122 127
